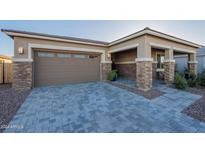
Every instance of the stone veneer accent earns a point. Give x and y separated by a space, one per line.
126 70
105 69
22 75
192 67
144 75
169 72
154 70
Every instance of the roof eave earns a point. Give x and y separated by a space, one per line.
16 34
148 31
155 33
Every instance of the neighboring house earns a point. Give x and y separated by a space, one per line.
181 61
5 69
42 59
5 59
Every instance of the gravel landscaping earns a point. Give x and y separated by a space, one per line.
197 109
10 102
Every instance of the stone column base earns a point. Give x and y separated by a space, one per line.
105 69
22 75
169 66
144 73
192 66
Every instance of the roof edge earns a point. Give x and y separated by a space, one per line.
150 31
13 33
144 31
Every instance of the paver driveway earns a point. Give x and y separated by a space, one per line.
101 107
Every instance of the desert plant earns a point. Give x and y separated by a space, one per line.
201 79
180 82
192 80
112 75
190 77
186 73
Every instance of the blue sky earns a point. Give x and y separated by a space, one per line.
102 30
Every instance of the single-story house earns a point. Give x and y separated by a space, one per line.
5 59
42 59
181 61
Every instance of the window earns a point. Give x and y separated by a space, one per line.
45 54
54 55
63 55
80 56
160 61
93 56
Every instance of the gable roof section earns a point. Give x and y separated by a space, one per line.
147 30
155 33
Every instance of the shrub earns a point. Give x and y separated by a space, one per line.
190 77
192 80
180 73
180 82
112 75
186 73
202 79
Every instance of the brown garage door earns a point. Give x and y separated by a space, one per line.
60 68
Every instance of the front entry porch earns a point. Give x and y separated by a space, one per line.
157 63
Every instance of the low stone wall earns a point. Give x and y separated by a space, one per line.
22 75
126 70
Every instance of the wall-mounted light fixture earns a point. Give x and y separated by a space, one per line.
108 55
21 50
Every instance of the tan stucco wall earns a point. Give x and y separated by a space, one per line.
144 48
23 42
158 40
127 43
144 45
142 41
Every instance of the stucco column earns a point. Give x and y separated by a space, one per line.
169 65
144 67
192 63
105 65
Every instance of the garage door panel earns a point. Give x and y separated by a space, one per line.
54 71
